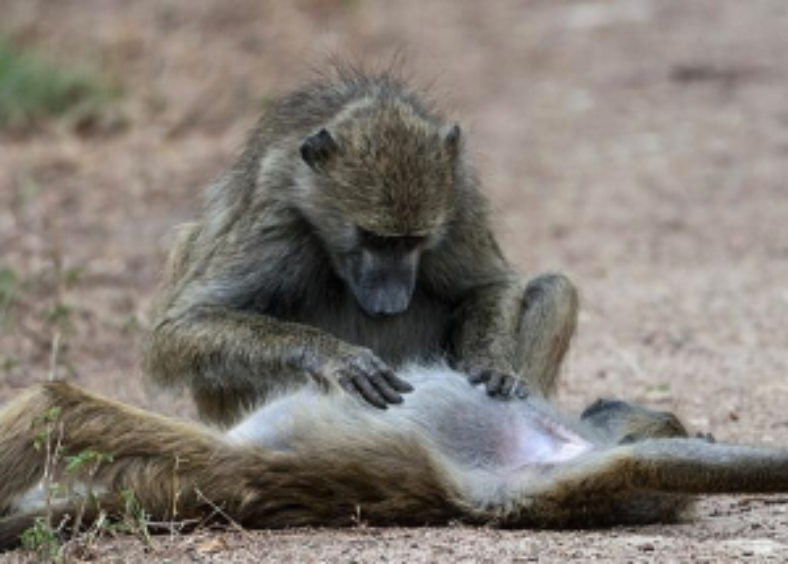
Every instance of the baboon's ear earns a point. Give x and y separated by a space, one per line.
318 148
452 138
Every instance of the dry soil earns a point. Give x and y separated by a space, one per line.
641 146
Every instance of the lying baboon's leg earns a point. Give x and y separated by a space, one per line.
21 462
698 466
149 452
647 481
63 517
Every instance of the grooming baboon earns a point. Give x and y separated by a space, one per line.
450 453
349 238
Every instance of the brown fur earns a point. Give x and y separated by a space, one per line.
257 301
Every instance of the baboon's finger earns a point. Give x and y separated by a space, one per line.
494 384
478 377
385 389
396 382
322 380
368 391
520 390
372 365
507 383
348 383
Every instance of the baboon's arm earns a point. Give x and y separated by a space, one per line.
232 359
487 331
217 332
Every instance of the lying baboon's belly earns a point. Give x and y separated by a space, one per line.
460 420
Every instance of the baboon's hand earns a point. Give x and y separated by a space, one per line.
363 374
500 384
366 375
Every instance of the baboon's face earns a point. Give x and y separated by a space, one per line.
381 193
380 270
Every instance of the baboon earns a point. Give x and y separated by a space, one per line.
449 453
349 238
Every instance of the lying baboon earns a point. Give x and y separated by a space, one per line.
350 238
450 453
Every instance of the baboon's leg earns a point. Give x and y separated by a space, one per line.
625 422
548 322
647 481
159 459
27 424
695 465
63 517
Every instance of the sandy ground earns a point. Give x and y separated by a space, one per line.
641 146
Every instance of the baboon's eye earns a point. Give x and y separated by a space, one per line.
452 138
389 243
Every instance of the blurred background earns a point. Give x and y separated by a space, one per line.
641 146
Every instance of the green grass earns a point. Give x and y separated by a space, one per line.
33 89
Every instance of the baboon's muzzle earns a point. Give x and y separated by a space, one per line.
383 283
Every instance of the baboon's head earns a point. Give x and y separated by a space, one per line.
380 191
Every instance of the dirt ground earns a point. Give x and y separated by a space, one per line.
641 146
